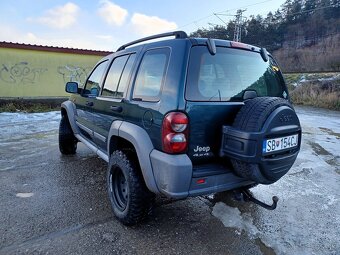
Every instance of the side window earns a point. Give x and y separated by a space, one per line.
151 75
113 76
92 85
124 80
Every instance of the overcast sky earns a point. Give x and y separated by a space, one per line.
104 24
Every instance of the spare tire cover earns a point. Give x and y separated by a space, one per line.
265 114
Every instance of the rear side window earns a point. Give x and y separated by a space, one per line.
226 75
151 75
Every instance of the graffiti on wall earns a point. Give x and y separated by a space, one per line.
21 73
74 73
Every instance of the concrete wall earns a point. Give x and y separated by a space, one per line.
28 73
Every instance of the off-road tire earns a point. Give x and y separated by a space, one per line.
67 140
138 199
251 118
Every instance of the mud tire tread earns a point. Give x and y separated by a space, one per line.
140 199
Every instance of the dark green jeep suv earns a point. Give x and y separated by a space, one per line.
183 117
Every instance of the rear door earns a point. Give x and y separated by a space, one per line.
214 93
87 100
147 91
110 106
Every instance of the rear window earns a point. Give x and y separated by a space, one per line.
226 75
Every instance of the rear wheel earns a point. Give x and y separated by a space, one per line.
67 140
130 199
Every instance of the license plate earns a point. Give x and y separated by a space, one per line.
280 143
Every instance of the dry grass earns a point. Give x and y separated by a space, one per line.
27 107
319 92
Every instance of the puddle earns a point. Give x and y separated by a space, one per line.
318 149
333 161
264 248
330 132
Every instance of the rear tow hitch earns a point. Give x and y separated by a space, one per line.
246 196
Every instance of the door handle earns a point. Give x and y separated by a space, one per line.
89 103
116 108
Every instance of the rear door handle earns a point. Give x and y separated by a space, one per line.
116 108
89 103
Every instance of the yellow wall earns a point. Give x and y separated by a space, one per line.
31 73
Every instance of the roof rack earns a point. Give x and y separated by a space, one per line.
177 34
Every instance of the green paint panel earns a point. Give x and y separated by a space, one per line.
32 73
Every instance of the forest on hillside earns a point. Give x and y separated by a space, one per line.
304 35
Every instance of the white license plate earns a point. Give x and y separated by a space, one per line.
281 143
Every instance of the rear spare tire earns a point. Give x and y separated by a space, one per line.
266 118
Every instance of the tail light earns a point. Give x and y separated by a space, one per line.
175 133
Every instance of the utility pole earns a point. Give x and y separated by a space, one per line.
238 25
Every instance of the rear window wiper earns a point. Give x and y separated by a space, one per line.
219 95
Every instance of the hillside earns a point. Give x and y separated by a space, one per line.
324 55
302 35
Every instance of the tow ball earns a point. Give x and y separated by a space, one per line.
246 196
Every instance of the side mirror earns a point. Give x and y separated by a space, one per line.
71 87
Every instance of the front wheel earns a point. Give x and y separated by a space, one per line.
130 199
67 140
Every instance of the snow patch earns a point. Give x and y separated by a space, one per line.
302 79
231 218
306 220
24 195
336 77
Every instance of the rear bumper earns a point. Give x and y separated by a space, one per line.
176 178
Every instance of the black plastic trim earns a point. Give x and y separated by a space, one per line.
177 34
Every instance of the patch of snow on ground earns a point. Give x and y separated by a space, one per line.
307 218
330 78
231 217
40 129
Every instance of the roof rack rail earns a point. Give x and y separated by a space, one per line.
177 34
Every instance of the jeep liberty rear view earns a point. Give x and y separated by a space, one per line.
183 117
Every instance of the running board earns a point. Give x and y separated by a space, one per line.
92 147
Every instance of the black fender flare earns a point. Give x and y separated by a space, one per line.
141 141
70 108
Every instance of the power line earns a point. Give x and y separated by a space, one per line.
221 13
249 5
315 9
304 11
